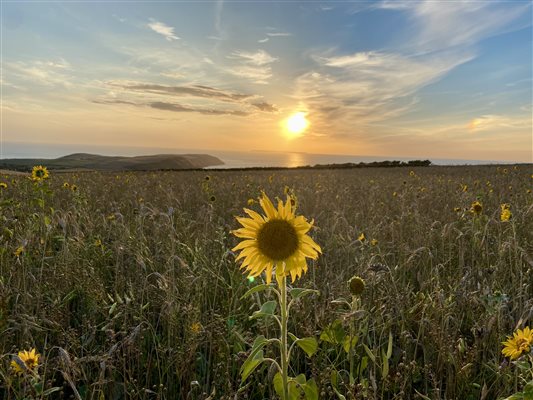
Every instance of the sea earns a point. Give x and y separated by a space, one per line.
231 159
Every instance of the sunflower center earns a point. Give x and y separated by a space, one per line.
277 239
39 173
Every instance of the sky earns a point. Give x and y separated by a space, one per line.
421 79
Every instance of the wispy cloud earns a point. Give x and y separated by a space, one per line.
440 25
263 40
346 92
163 29
279 34
254 66
259 57
195 90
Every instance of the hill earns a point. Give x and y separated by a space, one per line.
115 163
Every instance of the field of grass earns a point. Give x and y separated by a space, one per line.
128 288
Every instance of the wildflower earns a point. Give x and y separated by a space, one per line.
271 179
519 343
25 361
39 173
66 185
505 214
18 252
196 327
74 188
207 178
356 285
3 185
276 241
250 202
457 209
212 198
361 237
394 194
98 243
374 242
412 173
476 207
464 188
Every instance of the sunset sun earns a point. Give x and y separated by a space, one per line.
296 124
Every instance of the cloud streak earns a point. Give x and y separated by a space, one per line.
163 29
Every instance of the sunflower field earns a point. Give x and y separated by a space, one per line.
418 284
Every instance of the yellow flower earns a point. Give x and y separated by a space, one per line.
19 251
394 194
519 343
276 241
361 237
74 188
39 173
196 327
506 213
374 242
464 188
456 209
250 202
25 361
412 173
476 207
66 185
3 185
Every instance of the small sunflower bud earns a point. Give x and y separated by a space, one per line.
357 285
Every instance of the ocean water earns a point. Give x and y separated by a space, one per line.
232 159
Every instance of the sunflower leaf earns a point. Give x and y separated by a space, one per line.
251 364
308 344
256 289
296 293
267 309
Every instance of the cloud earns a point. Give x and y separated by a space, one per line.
494 122
440 25
263 40
260 57
207 111
253 65
163 29
45 73
195 90
346 92
279 34
263 106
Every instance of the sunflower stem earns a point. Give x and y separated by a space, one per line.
284 348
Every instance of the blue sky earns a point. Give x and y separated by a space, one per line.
393 78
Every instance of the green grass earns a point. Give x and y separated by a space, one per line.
128 287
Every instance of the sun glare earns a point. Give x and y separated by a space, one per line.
296 124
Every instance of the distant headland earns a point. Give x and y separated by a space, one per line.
84 161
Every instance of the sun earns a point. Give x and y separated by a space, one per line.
296 124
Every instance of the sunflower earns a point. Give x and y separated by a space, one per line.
25 361
276 241
506 213
361 237
3 185
39 173
476 207
66 185
520 342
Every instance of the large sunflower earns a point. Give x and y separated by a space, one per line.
39 173
277 240
520 342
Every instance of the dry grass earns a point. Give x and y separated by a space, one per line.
128 288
